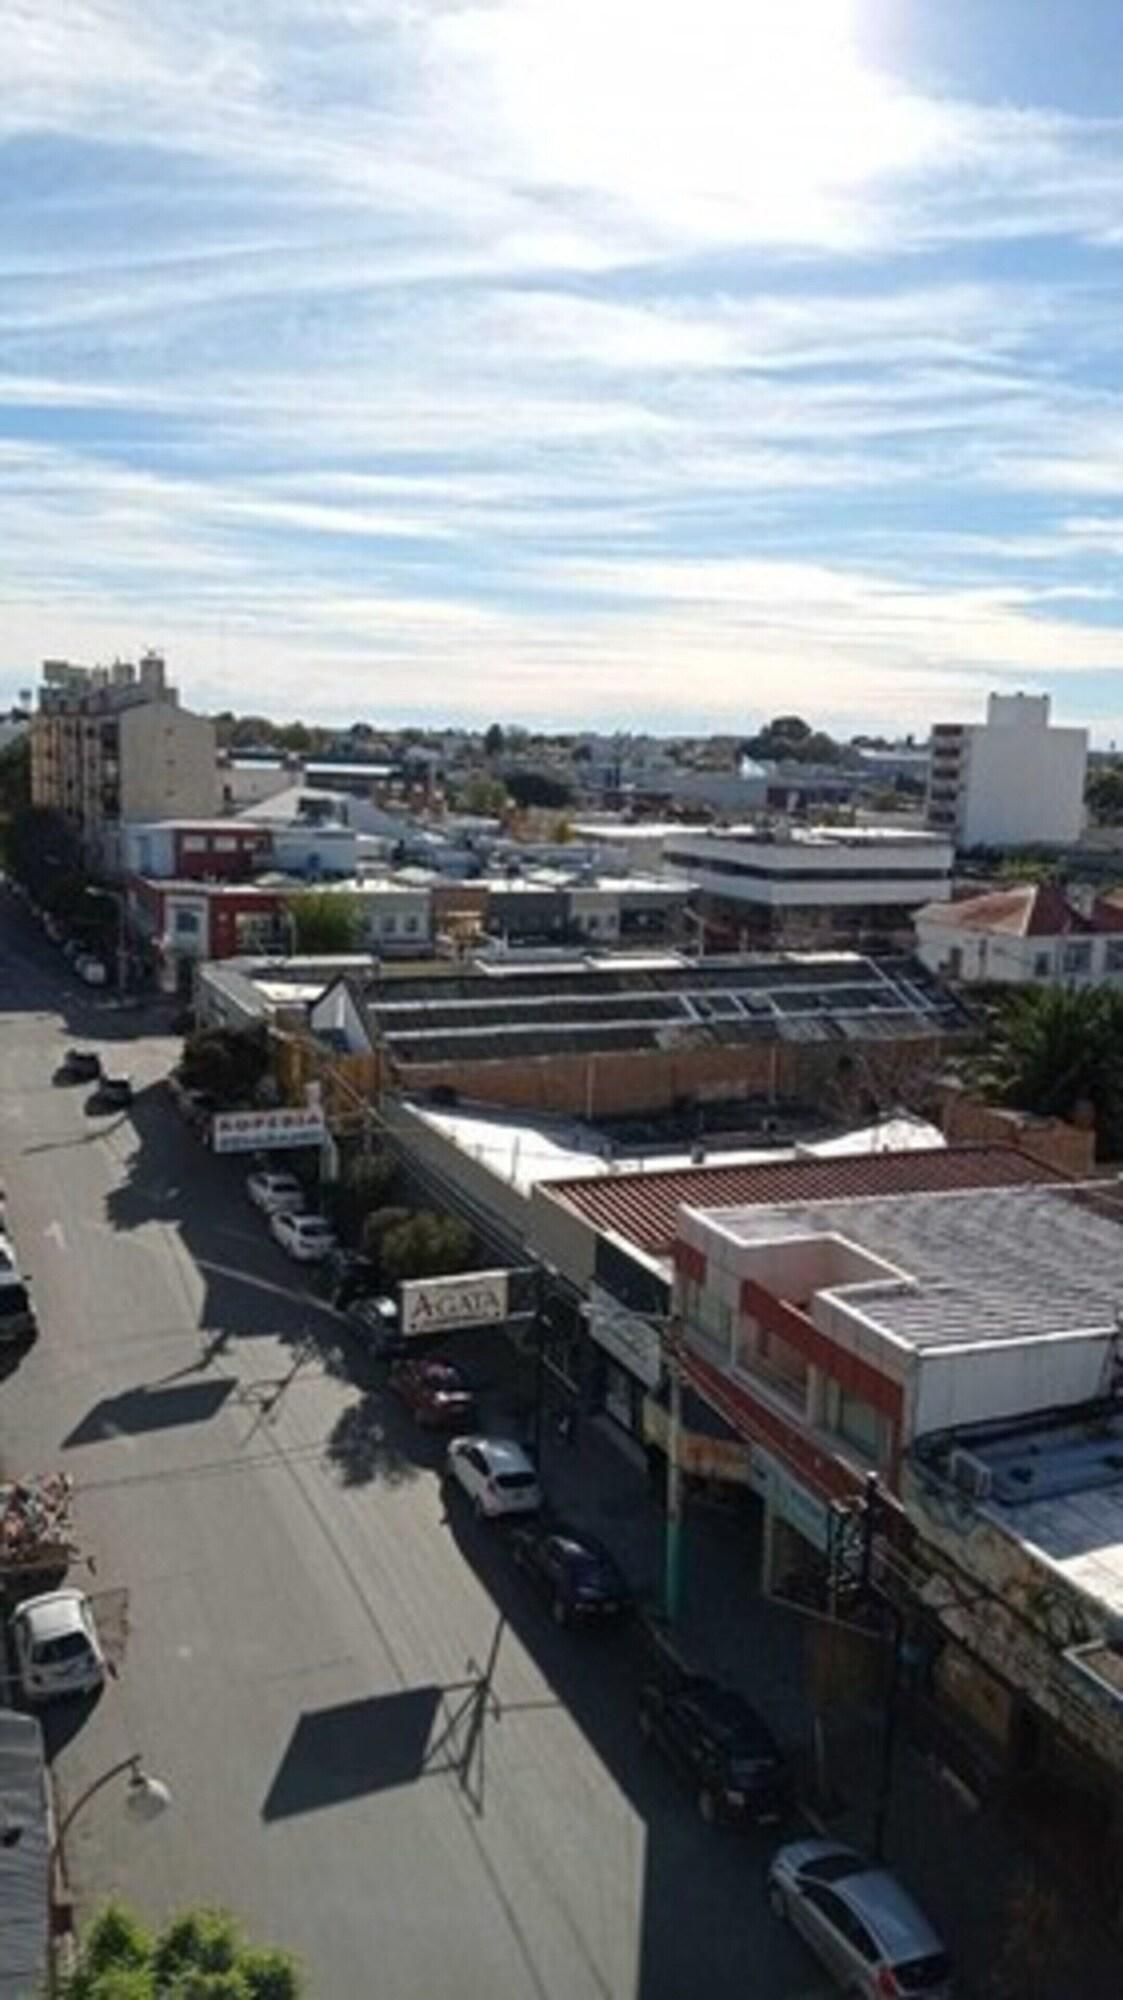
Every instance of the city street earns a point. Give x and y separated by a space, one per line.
381 1751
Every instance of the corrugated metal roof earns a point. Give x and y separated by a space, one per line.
643 1207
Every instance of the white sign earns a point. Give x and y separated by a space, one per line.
440 1305
631 1340
251 1131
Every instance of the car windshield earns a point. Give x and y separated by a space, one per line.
314 1227
919 1975
13 1299
833 1867
56 1652
514 1482
590 1567
739 1732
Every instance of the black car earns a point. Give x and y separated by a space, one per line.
345 1276
79 1066
579 1575
377 1323
718 1744
114 1093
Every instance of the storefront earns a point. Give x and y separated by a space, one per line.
624 1362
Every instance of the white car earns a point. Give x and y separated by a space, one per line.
496 1474
273 1191
307 1237
867 1931
56 1646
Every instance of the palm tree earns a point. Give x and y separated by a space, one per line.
1060 1053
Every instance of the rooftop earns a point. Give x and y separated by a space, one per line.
504 1009
644 1208
1002 1254
1031 909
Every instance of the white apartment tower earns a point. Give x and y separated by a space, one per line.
1011 781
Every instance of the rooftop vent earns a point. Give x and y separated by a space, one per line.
970 1474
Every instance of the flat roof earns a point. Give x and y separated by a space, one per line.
644 1209
982 1262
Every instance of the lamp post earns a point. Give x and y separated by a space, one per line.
146 1798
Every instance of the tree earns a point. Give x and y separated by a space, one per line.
41 845
199 1955
15 777
538 788
376 1226
494 741
364 1187
326 921
1059 1053
1103 794
485 796
424 1246
227 1063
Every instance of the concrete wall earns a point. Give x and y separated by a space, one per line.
1024 782
967 1120
168 768
1005 1378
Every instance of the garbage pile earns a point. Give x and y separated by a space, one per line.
35 1521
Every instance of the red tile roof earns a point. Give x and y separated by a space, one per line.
642 1207
1033 909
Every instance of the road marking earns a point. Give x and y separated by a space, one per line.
54 1233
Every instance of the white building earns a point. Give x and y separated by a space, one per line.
1011 781
1028 935
820 880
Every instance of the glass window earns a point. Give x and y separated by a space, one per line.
226 843
1113 955
194 843
187 923
1077 957
1041 965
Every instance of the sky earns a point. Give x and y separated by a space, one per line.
646 364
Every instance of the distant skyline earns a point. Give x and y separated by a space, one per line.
578 363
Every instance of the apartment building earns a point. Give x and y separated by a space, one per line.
1014 780
110 745
809 885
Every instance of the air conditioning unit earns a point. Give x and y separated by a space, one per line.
970 1474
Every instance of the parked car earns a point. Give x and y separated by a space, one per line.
18 1324
272 1191
719 1745
305 1237
579 1575
496 1475
79 1066
378 1324
113 1093
346 1276
435 1391
873 1939
56 1646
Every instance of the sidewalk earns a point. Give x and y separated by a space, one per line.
1008 1930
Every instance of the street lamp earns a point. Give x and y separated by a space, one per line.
146 1798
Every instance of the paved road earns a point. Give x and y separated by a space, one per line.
294 1612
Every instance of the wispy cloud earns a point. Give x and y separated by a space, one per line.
596 360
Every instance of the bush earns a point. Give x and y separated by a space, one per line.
425 1246
200 1955
228 1063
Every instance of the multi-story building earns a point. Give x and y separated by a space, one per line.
1011 781
111 745
807 885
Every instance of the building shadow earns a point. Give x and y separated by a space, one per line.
353 1749
135 1411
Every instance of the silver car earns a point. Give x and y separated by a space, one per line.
873 1939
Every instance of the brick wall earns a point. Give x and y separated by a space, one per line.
970 1120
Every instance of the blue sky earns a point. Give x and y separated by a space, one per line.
580 362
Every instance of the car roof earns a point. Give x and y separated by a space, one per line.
502 1452
56 1612
899 1925
725 1708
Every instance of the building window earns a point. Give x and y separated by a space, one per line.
856 1422
194 843
226 843
1113 955
1042 967
186 923
389 926
1077 958
412 926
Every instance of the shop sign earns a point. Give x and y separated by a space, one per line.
803 1511
441 1305
254 1131
630 1339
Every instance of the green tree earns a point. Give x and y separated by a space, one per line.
483 795
376 1226
494 740
363 1189
1103 794
228 1063
326 921
15 777
538 788
425 1246
1059 1053
199 1955
40 846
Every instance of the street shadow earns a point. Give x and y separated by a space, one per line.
356 1748
366 1443
61 1721
136 1411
